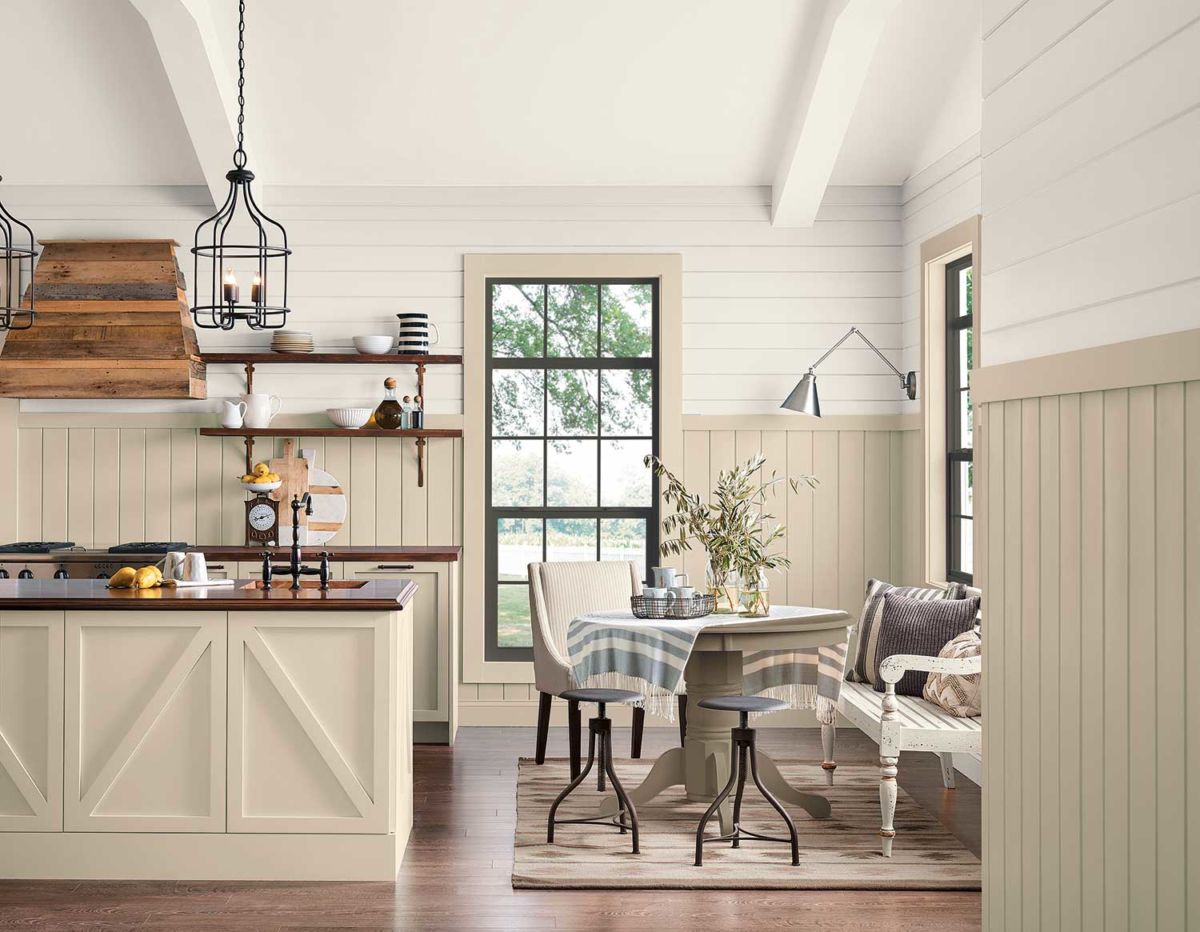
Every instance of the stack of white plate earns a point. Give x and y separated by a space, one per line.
292 341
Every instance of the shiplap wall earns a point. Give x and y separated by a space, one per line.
1089 560
1091 173
758 301
934 199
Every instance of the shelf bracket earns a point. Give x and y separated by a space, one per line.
420 399
420 462
249 378
249 441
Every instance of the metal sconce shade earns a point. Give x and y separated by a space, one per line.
803 397
219 303
16 249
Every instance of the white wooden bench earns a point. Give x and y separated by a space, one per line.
906 723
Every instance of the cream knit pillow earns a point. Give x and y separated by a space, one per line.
958 695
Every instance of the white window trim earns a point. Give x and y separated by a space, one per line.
936 253
477 269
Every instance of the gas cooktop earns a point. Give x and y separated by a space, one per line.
37 546
149 546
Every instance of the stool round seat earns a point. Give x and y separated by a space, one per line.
602 695
743 704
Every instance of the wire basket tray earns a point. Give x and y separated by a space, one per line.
696 607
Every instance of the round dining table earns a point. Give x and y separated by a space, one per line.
714 668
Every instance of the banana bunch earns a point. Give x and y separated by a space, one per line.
148 577
262 473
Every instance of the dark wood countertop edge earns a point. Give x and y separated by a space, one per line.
212 603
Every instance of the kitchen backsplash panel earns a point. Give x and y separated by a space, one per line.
99 486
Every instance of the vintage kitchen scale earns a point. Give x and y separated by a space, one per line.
299 475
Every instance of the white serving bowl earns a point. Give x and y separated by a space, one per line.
261 486
374 345
349 417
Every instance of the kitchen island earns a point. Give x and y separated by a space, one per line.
212 733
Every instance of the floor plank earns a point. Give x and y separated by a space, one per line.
457 868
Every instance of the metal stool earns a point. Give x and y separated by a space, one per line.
599 729
743 747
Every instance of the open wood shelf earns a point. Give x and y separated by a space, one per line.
263 359
328 432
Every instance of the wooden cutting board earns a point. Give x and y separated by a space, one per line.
293 470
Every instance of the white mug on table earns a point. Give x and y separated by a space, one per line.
664 577
260 409
185 567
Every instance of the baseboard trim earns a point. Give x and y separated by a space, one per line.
199 856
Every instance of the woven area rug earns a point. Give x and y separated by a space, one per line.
839 853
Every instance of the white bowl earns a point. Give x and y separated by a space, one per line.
374 345
261 486
349 417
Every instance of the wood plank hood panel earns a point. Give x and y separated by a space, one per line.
112 322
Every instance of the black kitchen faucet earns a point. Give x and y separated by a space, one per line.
296 567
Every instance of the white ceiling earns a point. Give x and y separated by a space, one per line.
458 92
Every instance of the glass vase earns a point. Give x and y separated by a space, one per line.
724 585
755 596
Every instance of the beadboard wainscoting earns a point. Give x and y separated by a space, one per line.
1088 553
853 525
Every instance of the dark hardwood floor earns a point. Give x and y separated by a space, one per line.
456 871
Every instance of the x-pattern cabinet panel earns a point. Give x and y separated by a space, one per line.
145 722
31 721
310 719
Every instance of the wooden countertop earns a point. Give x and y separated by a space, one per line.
92 595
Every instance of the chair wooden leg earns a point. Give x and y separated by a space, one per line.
887 801
947 770
574 733
635 741
543 725
682 719
829 765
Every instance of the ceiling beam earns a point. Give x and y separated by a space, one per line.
186 37
839 59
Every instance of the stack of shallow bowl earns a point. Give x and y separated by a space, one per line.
292 341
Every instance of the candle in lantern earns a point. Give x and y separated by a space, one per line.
229 290
255 289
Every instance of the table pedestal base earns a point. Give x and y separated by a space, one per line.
702 764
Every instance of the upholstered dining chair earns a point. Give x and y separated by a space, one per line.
559 592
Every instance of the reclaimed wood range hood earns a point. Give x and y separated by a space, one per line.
112 322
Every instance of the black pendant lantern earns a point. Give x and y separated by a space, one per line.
220 241
16 249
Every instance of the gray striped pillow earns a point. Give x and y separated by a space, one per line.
863 669
919 626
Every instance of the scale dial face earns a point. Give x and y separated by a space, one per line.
261 517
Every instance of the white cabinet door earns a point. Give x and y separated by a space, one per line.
31 735
311 746
145 722
435 646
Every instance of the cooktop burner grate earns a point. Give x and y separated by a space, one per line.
36 546
148 546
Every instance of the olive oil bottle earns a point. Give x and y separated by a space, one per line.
389 415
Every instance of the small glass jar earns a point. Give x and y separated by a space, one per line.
755 596
389 415
723 584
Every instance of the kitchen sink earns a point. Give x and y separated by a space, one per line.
286 583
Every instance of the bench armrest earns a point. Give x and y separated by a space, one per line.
892 668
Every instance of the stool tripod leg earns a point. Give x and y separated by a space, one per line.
623 800
737 796
778 807
602 764
570 788
708 813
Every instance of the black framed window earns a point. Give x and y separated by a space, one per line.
960 467
572 410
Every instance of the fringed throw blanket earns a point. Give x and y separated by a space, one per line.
616 650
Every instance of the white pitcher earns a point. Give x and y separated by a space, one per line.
260 409
232 414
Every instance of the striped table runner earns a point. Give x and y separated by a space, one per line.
617 650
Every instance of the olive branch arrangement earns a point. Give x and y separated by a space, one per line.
734 528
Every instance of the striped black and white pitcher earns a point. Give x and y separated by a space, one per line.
414 334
